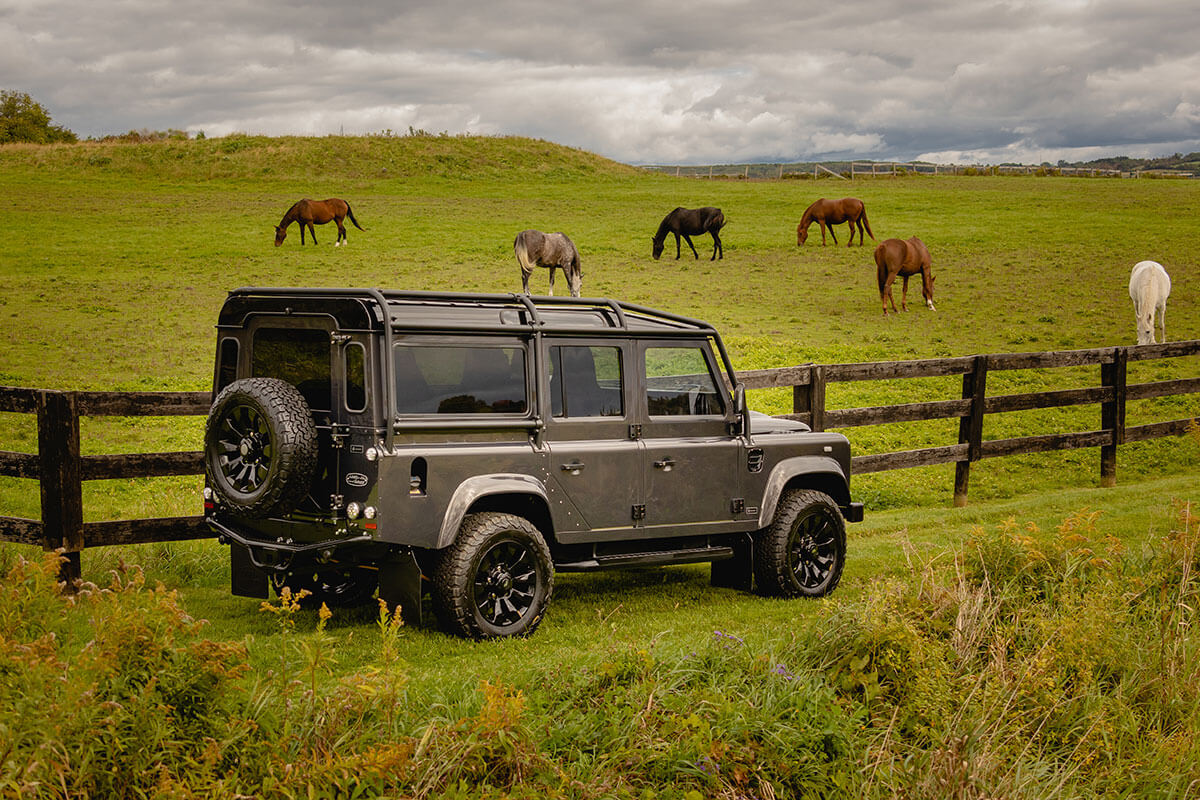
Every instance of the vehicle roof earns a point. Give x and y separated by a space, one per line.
460 312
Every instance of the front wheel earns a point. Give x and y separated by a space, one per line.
496 579
803 551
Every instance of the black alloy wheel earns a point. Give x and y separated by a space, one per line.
495 581
803 552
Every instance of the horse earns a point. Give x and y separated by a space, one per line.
553 250
689 222
828 213
309 212
1149 287
895 257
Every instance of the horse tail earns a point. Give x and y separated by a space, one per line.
881 268
867 224
521 249
350 214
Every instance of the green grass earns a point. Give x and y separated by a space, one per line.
118 257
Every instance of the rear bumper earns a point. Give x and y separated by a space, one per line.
279 556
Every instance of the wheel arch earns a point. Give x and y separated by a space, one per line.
804 472
521 495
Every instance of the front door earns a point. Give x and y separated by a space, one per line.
691 457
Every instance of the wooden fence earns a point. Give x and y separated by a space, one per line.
60 469
862 169
808 384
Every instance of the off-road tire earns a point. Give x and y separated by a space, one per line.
495 581
336 587
802 552
260 447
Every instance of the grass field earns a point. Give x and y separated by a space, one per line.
117 258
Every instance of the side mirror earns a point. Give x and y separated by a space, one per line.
741 423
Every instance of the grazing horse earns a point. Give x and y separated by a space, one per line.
316 212
553 250
1149 286
689 222
895 257
828 213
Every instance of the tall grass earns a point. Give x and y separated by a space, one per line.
1025 663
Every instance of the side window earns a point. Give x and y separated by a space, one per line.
227 368
586 382
356 377
299 356
679 383
436 379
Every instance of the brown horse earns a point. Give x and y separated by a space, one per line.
828 213
895 257
316 212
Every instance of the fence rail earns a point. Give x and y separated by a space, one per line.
61 470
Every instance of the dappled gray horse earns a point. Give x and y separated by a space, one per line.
553 250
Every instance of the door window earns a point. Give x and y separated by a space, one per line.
299 356
586 382
680 383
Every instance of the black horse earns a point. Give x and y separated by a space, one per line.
689 222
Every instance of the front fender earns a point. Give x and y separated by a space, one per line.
818 472
473 489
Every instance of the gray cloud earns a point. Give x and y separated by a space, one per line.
643 82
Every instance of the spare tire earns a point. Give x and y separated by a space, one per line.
260 447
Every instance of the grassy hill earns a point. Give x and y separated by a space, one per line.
350 159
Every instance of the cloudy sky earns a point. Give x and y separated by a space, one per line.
640 81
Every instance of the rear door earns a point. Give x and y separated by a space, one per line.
303 355
595 463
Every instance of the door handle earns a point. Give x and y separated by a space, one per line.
665 465
573 467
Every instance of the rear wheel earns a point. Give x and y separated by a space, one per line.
496 579
803 551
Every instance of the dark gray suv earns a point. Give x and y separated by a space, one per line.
472 445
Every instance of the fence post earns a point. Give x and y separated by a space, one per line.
816 396
970 427
61 481
1112 414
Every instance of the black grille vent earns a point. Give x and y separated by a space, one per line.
754 460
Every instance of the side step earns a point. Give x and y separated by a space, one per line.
691 555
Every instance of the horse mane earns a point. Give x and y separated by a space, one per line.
664 227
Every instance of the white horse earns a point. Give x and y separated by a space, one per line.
553 250
1149 286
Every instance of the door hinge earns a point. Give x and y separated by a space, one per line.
737 505
639 511
635 431
339 338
